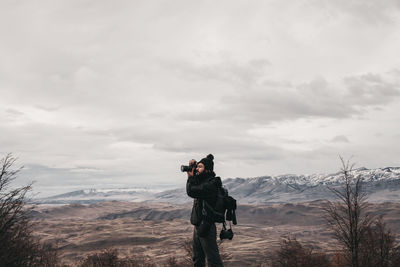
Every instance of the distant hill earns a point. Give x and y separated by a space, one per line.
382 184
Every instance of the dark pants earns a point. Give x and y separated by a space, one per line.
206 247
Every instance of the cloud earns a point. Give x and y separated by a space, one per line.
235 73
369 11
48 108
229 141
372 89
340 139
14 112
263 104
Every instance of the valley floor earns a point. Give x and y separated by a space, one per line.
159 231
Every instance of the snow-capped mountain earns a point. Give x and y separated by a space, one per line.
382 184
89 196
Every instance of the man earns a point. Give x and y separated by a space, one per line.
202 186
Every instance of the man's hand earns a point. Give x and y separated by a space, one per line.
191 163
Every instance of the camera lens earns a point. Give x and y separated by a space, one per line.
185 168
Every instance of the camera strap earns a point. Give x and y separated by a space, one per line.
224 225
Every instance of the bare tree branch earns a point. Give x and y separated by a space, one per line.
347 216
18 246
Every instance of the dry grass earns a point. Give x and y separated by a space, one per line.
79 232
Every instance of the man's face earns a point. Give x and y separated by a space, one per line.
200 168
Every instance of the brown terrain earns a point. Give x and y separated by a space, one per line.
159 231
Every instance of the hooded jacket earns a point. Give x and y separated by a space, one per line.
202 187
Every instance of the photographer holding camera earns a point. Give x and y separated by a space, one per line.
202 185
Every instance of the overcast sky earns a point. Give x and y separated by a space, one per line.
121 93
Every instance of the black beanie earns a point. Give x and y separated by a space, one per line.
208 162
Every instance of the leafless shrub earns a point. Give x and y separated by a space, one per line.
173 262
48 255
395 256
109 258
138 261
377 248
18 246
293 254
377 245
338 259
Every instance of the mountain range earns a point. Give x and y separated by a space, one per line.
381 185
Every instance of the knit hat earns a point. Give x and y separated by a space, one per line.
208 162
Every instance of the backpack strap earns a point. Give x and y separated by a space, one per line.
205 203
203 211
218 181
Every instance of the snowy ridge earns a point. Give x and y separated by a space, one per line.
89 196
367 175
382 184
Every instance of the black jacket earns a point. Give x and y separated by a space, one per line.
202 188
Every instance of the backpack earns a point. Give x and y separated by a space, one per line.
225 205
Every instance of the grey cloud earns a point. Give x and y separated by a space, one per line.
229 147
226 71
48 108
340 139
367 11
270 104
14 112
222 138
258 152
318 98
376 155
371 89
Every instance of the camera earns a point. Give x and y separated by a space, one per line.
189 168
226 234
